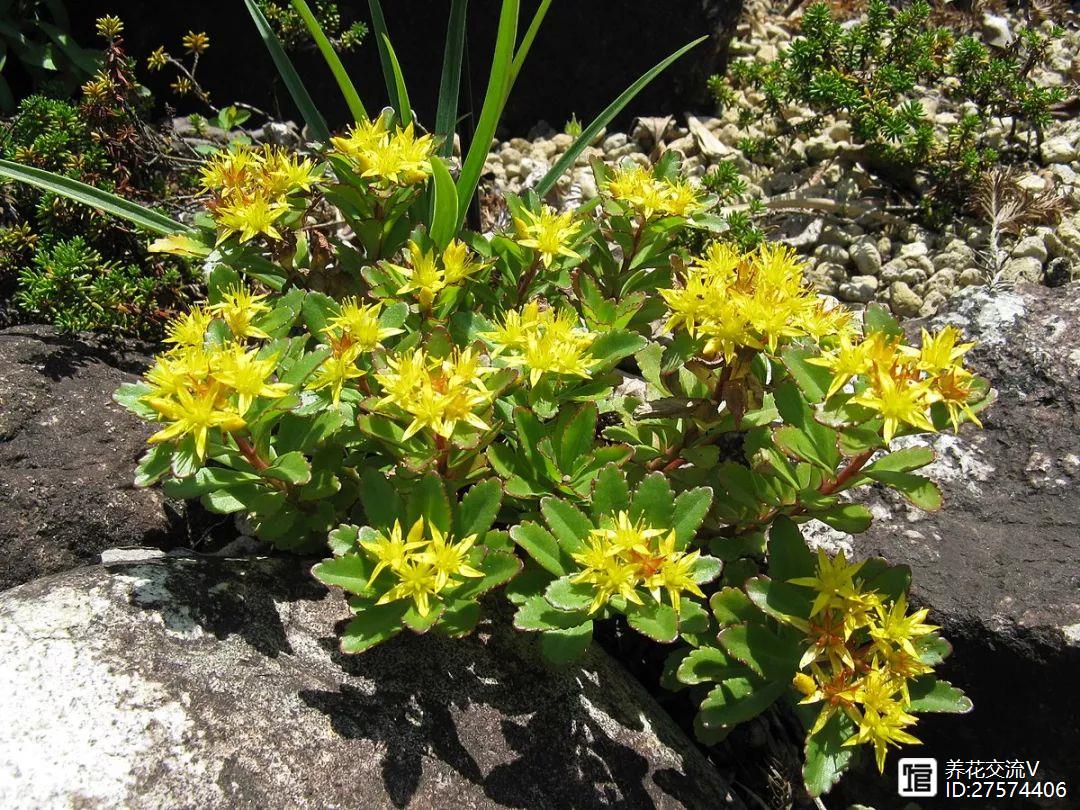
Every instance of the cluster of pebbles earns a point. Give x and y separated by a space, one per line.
857 248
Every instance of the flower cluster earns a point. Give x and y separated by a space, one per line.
752 300
549 233
199 385
862 652
422 567
627 555
902 383
438 393
387 157
637 187
251 189
543 341
427 274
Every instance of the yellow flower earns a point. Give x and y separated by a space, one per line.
883 719
182 86
158 59
939 353
847 360
360 140
190 328
423 275
417 581
335 371
624 535
397 158
636 187
458 264
109 27
833 580
954 389
283 173
549 233
838 691
250 217
394 551
239 308
544 342
248 376
360 323
899 400
896 627
610 578
195 414
673 572
196 43
447 558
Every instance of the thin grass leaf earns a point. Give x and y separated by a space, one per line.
139 215
450 84
314 119
527 41
444 204
333 61
403 107
382 38
605 118
494 100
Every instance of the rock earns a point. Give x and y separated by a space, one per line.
914 250
615 141
1030 246
904 300
971 276
708 144
832 253
996 30
826 277
865 257
190 682
998 565
68 456
943 281
1025 268
932 303
859 289
950 261
1060 149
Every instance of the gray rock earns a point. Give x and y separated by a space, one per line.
904 300
971 276
189 682
68 456
998 565
933 302
950 261
860 289
996 30
832 253
1060 149
826 277
865 256
943 281
1030 246
1025 268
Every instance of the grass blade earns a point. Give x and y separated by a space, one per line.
404 109
605 118
444 206
333 61
450 84
316 123
145 218
382 38
494 101
527 41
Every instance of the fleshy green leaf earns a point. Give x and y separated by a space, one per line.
789 556
654 502
540 545
350 572
564 595
374 625
611 495
444 204
762 650
689 512
921 491
738 699
928 694
826 755
658 621
569 525
562 647
478 509
292 468
428 501
536 613
707 664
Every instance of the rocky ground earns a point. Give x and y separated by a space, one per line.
860 245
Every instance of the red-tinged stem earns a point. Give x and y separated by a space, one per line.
527 278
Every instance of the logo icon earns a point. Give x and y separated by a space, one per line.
917 777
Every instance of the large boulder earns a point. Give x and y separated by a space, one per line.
1000 564
202 682
68 454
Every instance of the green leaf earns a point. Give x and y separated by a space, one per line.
292 468
498 568
846 517
689 512
143 217
567 523
565 595
374 625
928 694
707 664
494 100
789 555
350 572
653 501
905 460
444 205
536 613
933 650
540 545
657 621
826 755
387 60
762 650
738 699
380 500
300 96
706 569
450 84
877 318
731 606
459 618
154 464
403 108
527 40
590 132
343 539
562 647
428 500
611 495
921 491
575 437
421 624
478 509
814 380
779 599
341 76
611 347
